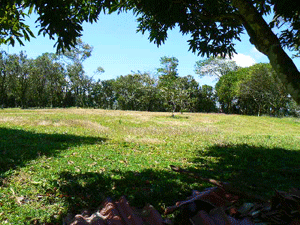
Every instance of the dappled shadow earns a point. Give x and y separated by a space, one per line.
17 146
255 169
88 190
251 168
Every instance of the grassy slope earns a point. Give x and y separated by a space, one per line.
63 160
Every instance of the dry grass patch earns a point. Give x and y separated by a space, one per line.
202 130
82 123
173 123
171 131
147 131
93 125
146 140
14 120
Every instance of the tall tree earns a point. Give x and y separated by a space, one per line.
215 66
262 86
135 92
213 25
175 90
226 90
49 78
253 90
168 82
79 53
3 78
80 84
103 94
18 70
169 66
206 101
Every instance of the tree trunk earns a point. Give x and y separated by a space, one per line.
267 42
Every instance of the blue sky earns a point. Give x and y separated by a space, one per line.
120 50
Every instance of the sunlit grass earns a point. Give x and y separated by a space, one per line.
55 161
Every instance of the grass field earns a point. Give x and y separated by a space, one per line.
55 161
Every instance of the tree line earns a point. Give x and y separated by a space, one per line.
213 26
53 80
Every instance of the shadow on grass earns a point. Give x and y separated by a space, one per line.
88 190
253 168
17 147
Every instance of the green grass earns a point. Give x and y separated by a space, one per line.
57 161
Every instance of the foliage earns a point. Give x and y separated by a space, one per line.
226 90
215 66
135 92
206 101
19 68
49 77
79 53
99 70
79 83
253 90
60 161
266 90
3 78
12 26
175 91
213 26
48 81
103 94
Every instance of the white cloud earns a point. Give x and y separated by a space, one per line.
256 53
243 60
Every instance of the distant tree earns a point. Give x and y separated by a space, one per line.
18 70
135 92
206 101
49 78
189 93
175 90
254 90
99 70
263 87
213 26
226 91
108 95
169 66
79 52
149 99
215 66
128 91
3 79
80 85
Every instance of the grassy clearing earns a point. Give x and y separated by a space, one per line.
64 160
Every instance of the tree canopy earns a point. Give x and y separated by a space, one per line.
215 66
213 25
254 90
48 81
